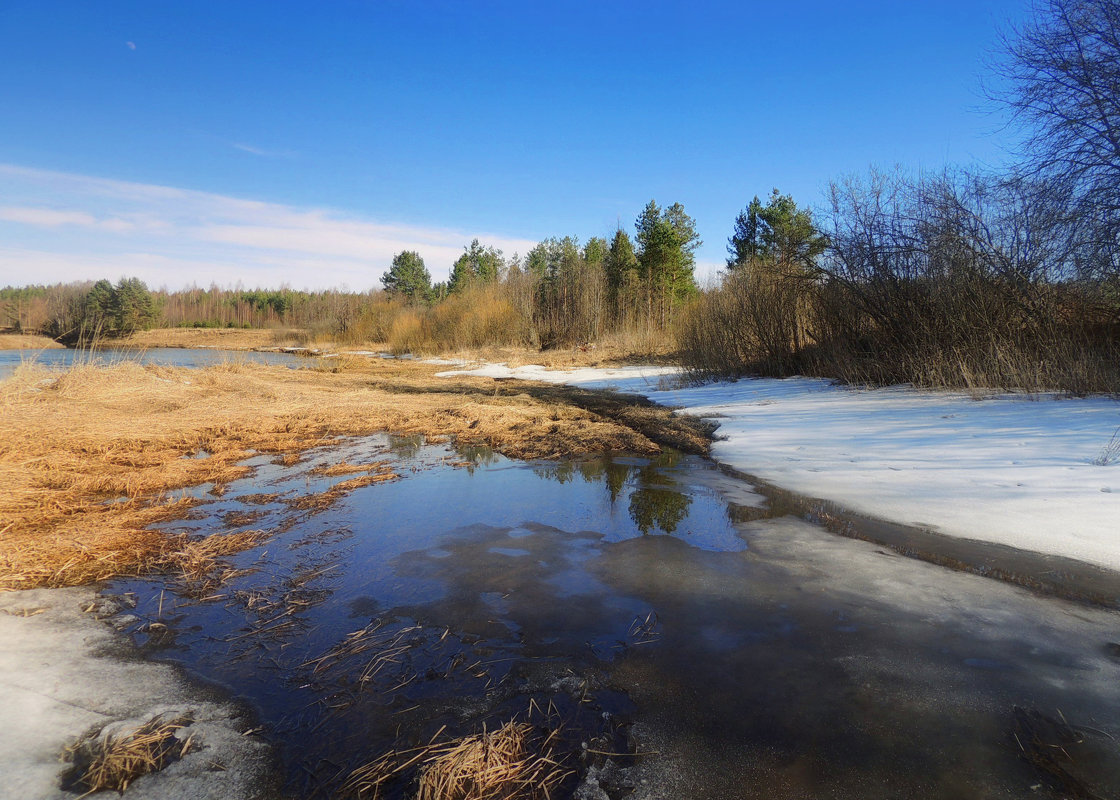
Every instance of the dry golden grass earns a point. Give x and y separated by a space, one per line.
345 468
222 338
90 457
116 760
495 765
27 341
514 761
324 500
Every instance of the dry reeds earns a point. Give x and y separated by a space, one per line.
644 630
390 645
197 564
495 765
515 761
1110 453
114 761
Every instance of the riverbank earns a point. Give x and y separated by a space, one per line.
92 456
148 434
27 341
1037 473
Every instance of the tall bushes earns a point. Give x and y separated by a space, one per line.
950 280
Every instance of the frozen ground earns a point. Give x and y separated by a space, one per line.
64 673
1005 469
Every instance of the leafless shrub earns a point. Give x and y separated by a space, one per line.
1110 453
954 280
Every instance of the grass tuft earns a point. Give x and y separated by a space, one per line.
517 760
114 761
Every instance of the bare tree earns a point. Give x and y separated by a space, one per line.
1063 74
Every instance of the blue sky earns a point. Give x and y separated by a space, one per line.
307 142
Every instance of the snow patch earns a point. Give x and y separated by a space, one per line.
1007 469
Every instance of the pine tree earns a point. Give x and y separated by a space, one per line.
478 264
408 277
667 241
745 243
779 233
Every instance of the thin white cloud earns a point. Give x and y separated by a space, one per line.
261 151
130 45
46 217
63 227
53 218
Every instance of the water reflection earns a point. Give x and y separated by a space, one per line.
476 588
657 502
475 456
405 446
658 508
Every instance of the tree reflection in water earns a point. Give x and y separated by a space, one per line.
655 503
662 508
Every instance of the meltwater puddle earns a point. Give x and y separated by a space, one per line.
685 639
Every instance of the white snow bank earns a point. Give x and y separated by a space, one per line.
638 380
1004 469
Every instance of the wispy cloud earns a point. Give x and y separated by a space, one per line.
261 151
62 227
47 217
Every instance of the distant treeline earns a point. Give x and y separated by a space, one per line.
562 292
966 278
77 312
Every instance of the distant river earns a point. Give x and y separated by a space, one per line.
167 356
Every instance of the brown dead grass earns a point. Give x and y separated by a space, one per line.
27 341
90 457
324 500
345 468
515 761
114 761
221 338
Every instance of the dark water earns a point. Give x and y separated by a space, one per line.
166 356
653 608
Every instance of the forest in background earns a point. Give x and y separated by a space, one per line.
1006 279
562 293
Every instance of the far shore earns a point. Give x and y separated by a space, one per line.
28 341
220 338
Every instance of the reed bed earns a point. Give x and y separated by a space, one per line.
114 761
92 456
